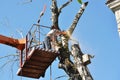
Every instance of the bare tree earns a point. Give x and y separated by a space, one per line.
65 63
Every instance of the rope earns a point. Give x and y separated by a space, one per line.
50 72
60 77
21 78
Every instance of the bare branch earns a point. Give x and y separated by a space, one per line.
11 63
77 17
7 62
27 1
20 32
12 70
60 77
54 7
55 14
64 5
9 56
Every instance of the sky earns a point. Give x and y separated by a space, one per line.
96 32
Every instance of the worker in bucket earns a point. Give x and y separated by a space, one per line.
50 38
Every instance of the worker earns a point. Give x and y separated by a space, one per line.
58 43
50 38
77 56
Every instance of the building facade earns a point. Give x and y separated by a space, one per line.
114 5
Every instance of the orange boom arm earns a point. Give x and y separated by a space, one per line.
17 43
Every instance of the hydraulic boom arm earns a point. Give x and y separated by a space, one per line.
17 43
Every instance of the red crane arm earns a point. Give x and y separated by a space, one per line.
17 43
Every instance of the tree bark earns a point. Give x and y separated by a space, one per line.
56 12
65 63
77 17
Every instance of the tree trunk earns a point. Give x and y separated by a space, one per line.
65 63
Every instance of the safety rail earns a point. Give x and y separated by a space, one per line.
32 42
34 59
